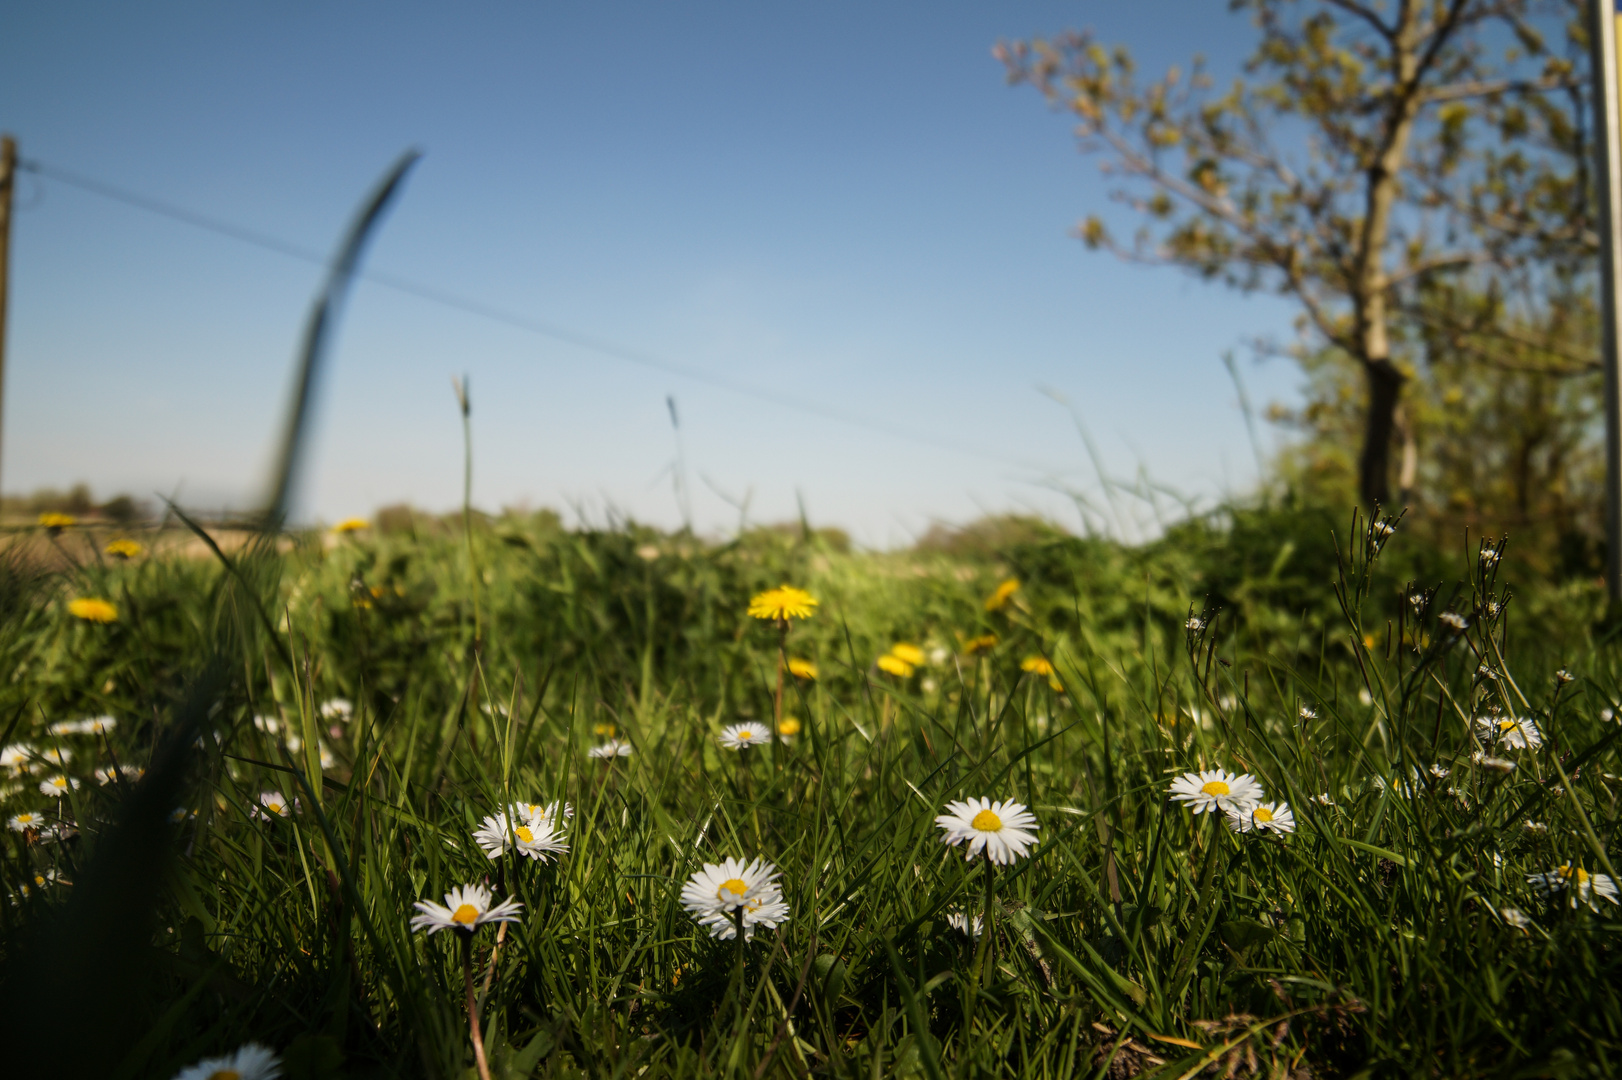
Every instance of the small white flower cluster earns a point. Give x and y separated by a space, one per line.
270 726
129 774
21 759
531 829
97 725
721 896
1453 620
1238 796
613 748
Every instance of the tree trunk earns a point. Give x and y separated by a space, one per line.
1374 466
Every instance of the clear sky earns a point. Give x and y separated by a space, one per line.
840 203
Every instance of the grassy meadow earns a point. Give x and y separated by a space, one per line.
409 681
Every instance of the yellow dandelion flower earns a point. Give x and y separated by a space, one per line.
1007 589
349 525
124 549
782 604
907 654
91 609
58 521
802 669
894 665
606 731
976 645
1040 665
789 728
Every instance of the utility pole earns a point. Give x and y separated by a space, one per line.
8 182
1608 149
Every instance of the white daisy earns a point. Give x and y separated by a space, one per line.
466 908
337 709
179 814
273 804
92 726
1518 734
714 893
1214 789
1267 817
128 773
1515 917
1439 771
268 724
56 755
58 785
968 926
1005 830
744 735
613 748
1324 799
15 757
250 1062
28 819
1497 764
546 813
1588 885
533 837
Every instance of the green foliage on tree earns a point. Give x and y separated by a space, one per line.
1414 176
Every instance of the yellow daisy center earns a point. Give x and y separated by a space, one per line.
986 821
1506 725
1217 787
735 886
524 835
1579 873
59 782
224 1074
467 915
1262 813
274 807
745 735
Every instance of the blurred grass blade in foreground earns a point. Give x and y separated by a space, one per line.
319 331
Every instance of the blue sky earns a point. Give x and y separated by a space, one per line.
842 203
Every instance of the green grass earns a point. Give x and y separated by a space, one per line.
1368 942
